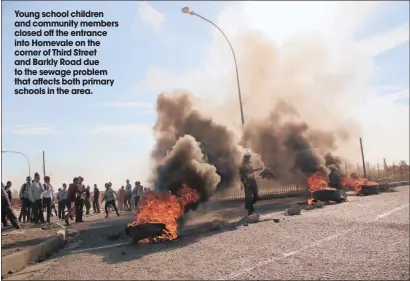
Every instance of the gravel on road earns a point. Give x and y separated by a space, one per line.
366 238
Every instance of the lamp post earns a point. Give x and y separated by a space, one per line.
189 11
17 152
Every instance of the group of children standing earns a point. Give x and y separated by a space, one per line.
37 198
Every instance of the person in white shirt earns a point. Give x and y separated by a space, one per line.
48 195
34 194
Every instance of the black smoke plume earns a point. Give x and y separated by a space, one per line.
185 165
288 148
332 160
192 140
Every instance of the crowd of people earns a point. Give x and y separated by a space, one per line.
67 203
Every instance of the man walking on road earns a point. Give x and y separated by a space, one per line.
6 210
109 199
35 194
96 198
25 208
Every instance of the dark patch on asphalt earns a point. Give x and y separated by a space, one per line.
111 231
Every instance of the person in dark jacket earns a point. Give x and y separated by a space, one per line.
96 197
6 210
71 194
79 201
8 190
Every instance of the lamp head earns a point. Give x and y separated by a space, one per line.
187 11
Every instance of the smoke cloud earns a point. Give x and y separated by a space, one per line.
294 121
185 164
192 140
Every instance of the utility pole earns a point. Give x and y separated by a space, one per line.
364 163
44 165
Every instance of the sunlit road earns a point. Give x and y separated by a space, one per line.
366 238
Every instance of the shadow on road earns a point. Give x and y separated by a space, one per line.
23 243
196 228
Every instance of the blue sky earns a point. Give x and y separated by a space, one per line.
106 136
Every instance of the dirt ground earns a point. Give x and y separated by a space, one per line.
15 240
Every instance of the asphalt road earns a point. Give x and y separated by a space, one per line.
366 238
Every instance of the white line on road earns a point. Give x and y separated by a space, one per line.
312 245
99 248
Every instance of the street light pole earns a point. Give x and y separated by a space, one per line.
189 11
17 152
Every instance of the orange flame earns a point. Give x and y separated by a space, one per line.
357 182
164 208
317 182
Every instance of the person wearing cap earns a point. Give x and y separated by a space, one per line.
35 194
6 210
249 183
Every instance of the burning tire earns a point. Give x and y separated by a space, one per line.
326 195
150 231
369 190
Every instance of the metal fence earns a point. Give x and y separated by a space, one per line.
394 172
382 173
266 188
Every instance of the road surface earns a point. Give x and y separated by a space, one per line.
366 238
